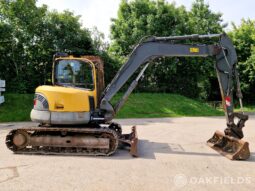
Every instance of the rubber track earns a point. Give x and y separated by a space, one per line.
62 150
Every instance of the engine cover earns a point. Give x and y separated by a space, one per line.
66 99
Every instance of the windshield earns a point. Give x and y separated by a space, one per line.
74 73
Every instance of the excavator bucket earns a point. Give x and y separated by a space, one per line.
130 141
230 147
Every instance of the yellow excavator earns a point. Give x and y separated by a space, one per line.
75 114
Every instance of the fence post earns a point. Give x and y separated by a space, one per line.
2 89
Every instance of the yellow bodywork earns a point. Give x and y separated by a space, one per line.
66 99
69 99
194 50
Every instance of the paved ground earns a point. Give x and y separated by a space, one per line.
173 156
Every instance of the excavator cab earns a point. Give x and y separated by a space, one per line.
73 95
80 71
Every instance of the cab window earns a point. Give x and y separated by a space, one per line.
75 73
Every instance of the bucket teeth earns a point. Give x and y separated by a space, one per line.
130 140
230 147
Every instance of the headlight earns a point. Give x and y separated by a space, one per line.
40 102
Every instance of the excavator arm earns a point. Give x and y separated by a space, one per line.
225 64
155 47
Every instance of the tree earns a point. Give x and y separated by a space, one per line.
22 18
30 35
243 37
99 40
247 72
141 18
202 20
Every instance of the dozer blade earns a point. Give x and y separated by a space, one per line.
130 140
230 147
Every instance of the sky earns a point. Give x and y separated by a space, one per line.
99 12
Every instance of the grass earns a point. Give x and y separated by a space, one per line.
247 108
148 105
17 107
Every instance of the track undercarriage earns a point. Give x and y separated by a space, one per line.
100 141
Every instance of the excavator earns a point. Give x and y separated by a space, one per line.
75 113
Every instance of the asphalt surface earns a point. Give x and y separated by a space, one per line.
173 156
